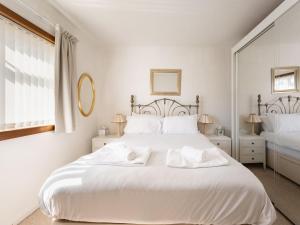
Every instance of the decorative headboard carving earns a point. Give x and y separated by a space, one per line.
165 107
282 105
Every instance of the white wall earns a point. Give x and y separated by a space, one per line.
118 72
26 162
205 71
254 75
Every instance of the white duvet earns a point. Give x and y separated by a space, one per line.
155 193
284 139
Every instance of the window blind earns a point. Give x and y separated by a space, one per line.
26 78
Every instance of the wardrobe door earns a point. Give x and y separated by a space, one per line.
269 67
287 142
254 78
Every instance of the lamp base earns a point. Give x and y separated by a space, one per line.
119 130
204 129
253 130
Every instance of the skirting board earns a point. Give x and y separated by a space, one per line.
28 213
285 165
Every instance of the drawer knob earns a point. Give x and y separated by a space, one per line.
218 143
104 143
252 143
252 158
252 150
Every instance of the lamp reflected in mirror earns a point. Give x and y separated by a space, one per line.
253 119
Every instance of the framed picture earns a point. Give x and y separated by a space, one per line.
285 79
165 81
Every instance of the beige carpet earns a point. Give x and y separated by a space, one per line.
285 194
37 218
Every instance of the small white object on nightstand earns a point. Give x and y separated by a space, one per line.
100 141
252 149
223 142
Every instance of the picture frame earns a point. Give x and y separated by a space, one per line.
165 82
285 79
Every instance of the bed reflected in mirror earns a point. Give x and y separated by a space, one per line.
277 142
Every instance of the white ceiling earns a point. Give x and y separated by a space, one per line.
167 22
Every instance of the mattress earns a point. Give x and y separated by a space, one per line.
283 150
157 194
286 143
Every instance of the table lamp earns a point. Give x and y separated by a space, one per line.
253 119
119 119
205 119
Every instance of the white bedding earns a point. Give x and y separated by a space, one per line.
284 150
157 194
210 157
286 139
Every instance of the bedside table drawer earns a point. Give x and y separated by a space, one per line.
254 158
252 150
99 142
220 143
249 143
225 145
96 144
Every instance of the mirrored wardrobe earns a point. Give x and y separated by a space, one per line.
268 111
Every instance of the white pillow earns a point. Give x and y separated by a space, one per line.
143 124
269 122
180 125
146 115
287 123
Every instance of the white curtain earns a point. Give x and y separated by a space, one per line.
65 81
26 78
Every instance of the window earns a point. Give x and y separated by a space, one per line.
285 82
26 78
285 79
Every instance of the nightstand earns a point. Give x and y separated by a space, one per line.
223 142
252 149
100 141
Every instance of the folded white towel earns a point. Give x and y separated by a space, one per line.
118 154
211 157
192 154
131 155
121 151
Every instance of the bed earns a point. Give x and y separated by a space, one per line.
155 193
283 148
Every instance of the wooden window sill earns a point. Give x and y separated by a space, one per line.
9 134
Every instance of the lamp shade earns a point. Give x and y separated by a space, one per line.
206 119
253 118
119 118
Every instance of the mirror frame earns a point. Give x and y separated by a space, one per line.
296 72
153 73
82 77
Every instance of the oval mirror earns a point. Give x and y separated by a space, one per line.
86 94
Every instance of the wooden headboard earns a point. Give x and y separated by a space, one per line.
282 105
165 107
